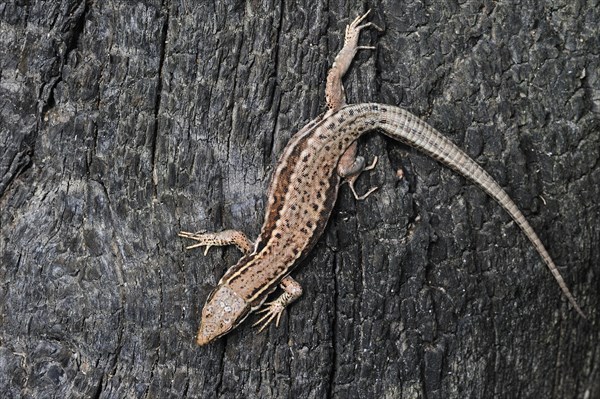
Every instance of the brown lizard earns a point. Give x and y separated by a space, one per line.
304 189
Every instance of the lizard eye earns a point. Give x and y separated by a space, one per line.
223 310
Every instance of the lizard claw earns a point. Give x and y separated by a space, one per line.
202 237
365 195
273 311
354 28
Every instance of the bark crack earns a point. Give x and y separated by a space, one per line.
158 98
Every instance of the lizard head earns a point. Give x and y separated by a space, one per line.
223 311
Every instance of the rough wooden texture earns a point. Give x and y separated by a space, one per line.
122 123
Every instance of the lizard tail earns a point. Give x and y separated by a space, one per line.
403 126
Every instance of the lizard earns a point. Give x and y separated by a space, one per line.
304 188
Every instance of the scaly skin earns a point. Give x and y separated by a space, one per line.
303 192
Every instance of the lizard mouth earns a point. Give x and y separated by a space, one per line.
207 333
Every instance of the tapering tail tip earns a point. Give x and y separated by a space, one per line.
573 302
578 309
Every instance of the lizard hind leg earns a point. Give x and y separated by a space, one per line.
350 168
334 90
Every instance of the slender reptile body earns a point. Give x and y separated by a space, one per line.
302 194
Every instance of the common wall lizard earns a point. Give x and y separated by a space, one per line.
303 191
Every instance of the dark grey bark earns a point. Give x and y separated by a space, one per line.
123 123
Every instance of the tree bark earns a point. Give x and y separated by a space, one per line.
123 123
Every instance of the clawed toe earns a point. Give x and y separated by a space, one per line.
273 311
354 26
222 238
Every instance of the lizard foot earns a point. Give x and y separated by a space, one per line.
354 176
222 238
273 310
353 31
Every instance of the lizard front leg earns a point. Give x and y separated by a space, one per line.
219 239
292 290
